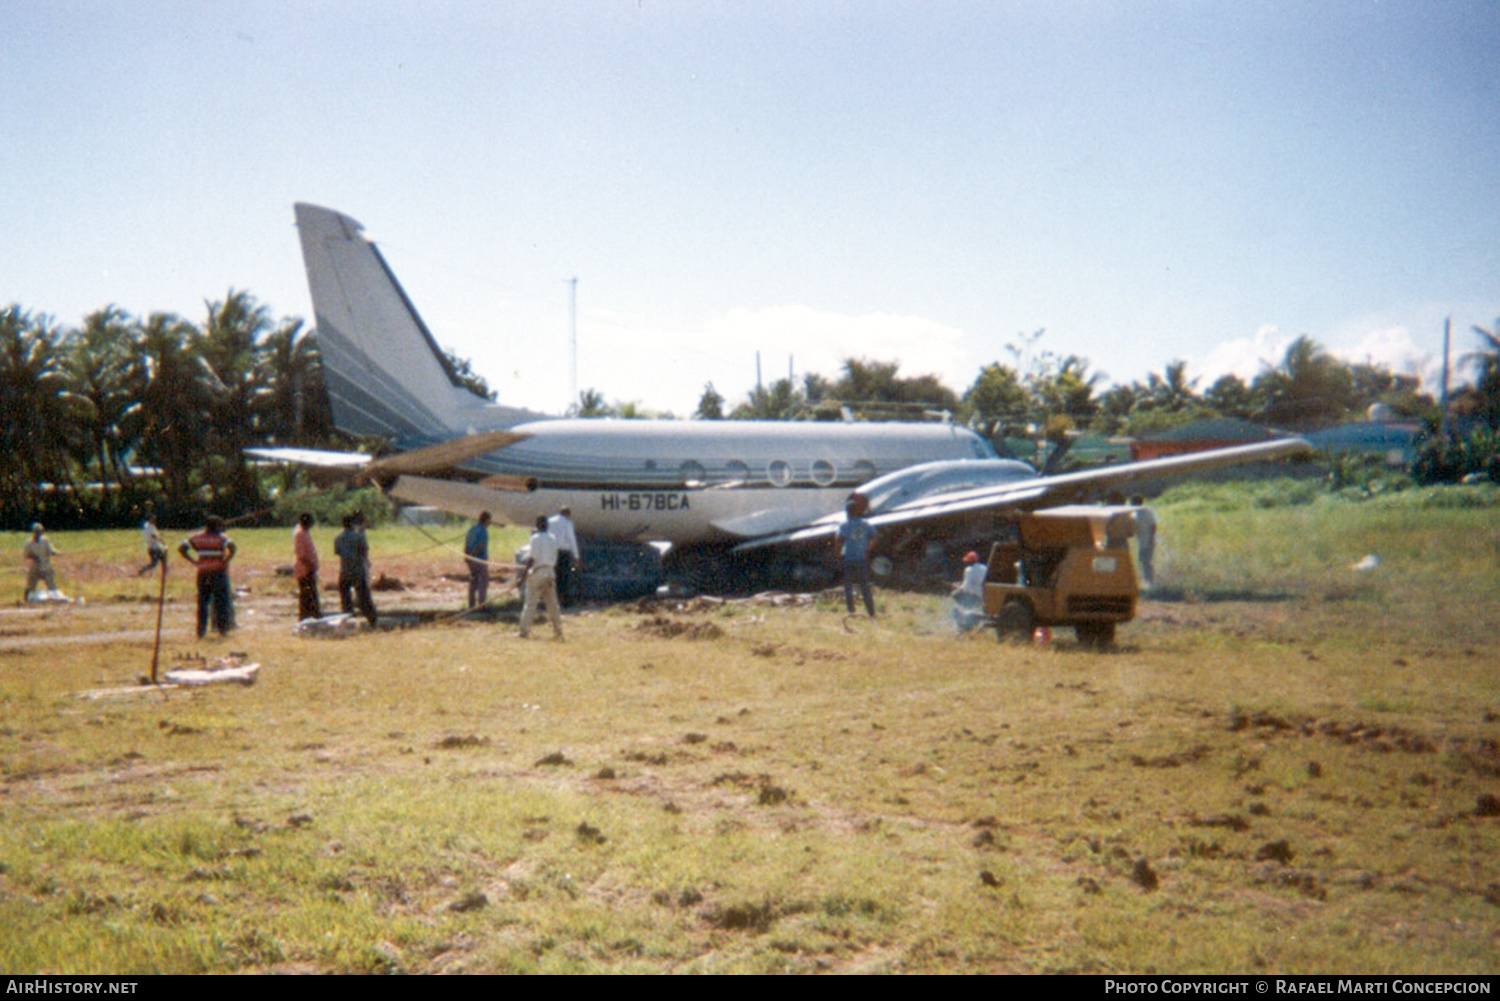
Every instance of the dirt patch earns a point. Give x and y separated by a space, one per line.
1481 754
667 628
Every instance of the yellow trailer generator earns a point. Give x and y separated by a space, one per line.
1068 566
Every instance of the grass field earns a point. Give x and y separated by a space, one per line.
1288 765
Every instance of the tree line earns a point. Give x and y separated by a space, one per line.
123 414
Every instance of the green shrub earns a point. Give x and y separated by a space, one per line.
328 506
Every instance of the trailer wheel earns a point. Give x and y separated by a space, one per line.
1095 635
1015 622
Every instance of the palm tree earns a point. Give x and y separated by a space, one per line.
291 401
1309 389
177 390
229 344
1486 363
101 357
40 408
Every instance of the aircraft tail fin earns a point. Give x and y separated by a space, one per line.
385 373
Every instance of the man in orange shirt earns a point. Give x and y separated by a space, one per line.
305 569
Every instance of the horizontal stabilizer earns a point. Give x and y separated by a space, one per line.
316 457
362 468
443 456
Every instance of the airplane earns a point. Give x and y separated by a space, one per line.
733 504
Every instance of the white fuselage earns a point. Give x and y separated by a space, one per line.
690 482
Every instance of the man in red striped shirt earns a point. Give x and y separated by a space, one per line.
211 552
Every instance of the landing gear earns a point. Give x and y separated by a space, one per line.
1095 635
717 571
1015 622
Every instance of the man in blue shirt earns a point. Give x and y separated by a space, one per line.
477 555
854 538
353 550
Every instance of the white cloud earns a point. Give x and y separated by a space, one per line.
1394 349
1245 357
1390 347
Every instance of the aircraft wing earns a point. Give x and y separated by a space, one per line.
319 458
1042 491
364 468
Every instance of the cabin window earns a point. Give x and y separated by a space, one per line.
864 470
692 474
823 473
779 472
736 471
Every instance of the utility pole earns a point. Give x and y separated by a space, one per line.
573 342
1447 329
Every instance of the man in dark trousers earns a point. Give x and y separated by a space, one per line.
211 552
853 542
353 551
305 569
569 558
477 556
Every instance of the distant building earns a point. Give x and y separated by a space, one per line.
1394 441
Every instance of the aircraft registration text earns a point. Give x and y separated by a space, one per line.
643 502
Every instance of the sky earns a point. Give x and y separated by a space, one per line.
900 181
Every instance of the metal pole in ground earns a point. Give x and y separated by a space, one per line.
161 600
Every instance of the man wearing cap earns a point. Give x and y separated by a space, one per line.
39 552
968 594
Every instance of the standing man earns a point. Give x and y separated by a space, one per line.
38 553
305 569
156 550
541 580
853 541
353 551
477 555
569 559
211 552
1145 538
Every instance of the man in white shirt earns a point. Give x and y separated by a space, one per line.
968 595
1145 538
540 578
39 552
569 558
156 550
